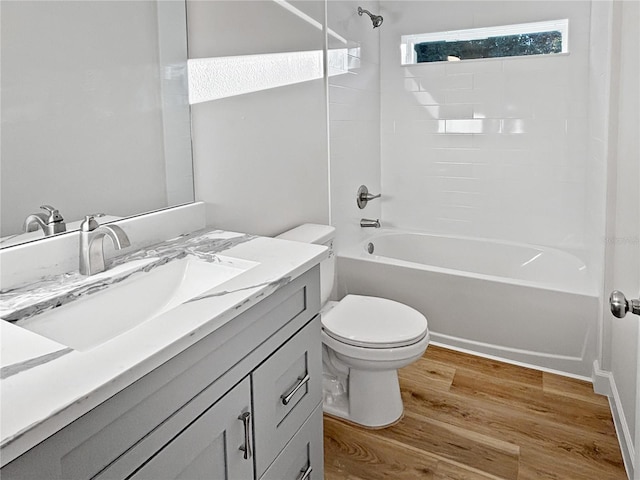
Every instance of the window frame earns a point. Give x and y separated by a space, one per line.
408 42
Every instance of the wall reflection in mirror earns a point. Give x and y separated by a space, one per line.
95 113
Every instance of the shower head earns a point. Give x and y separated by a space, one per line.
376 19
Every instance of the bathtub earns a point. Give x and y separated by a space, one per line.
525 304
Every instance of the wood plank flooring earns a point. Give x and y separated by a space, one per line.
470 418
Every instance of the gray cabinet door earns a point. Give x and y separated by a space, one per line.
210 447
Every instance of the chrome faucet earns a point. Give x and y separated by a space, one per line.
366 222
92 244
50 222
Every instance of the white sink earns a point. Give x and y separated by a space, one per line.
98 317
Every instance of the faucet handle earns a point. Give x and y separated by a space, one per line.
363 196
90 223
54 214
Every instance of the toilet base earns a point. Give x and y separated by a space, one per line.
349 422
373 399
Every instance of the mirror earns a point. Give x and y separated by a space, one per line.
95 111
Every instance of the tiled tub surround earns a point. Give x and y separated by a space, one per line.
354 119
46 385
496 148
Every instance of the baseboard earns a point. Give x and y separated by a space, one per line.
601 380
574 367
605 384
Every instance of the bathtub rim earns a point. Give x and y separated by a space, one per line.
359 252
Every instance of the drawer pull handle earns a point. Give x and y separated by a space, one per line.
306 473
286 398
246 448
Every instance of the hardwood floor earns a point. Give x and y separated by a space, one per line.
470 418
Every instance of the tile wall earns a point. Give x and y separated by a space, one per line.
492 148
354 116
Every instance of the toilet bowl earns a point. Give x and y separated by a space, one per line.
365 341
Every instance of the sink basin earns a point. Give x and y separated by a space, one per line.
98 317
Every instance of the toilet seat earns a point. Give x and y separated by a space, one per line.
373 322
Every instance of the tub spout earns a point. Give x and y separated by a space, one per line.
368 223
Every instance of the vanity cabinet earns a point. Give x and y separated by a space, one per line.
286 390
242 403
208 447
302 458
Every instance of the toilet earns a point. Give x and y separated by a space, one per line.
365 341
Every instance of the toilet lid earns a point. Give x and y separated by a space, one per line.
374 322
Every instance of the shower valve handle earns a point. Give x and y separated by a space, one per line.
363 196
370 196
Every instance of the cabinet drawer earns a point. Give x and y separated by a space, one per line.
287 387
303 456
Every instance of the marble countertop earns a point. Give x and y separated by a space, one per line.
45 385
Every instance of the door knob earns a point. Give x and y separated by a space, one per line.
620 305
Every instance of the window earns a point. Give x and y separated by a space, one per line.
539 38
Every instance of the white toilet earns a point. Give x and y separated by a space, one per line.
365 341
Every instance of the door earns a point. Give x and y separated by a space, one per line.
623 238
217 445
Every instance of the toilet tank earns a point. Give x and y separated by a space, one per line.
318 235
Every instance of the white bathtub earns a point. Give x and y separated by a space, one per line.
522 303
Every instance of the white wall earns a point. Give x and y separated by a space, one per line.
490 148
260 158
354 118
599 104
